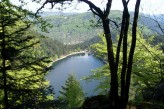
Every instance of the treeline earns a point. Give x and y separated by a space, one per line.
55 48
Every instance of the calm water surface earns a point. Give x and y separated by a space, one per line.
80 66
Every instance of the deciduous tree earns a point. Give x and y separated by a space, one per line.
146 71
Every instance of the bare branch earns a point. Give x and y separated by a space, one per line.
114 22
127 1
158 24
94 7
94 12
41 7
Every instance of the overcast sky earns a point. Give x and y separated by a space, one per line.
147 6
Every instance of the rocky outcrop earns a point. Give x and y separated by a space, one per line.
147 93
158 94
95 102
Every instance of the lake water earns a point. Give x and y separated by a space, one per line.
79 65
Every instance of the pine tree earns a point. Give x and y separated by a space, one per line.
72 94
22 70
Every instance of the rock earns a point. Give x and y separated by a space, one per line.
96 102
147 93
159 93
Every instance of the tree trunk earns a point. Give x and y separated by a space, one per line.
132 49
113 94
125 28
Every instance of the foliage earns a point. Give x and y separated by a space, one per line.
22 67
71 94
99 49
147 69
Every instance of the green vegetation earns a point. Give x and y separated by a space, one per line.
55 49
76 28
22 68
68 34
71 95
26 53
70 29
147 68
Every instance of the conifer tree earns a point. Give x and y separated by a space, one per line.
22 69
72 94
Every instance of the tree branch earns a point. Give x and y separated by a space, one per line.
94 7
41 7
96 10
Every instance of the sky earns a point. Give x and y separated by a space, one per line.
147 6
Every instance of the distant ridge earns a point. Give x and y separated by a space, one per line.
73 28
43 14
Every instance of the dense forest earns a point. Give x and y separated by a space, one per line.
76 27
67 34
133 76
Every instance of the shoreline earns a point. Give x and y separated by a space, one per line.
65 56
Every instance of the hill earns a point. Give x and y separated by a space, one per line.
70 28
75 28
70 32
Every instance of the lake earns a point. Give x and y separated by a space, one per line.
79 65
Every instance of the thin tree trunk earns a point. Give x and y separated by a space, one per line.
126 16
132 49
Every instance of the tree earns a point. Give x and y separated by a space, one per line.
147 70
72 93
22 70
113 60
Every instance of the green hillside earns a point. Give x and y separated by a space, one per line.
72 28
77 31
75 28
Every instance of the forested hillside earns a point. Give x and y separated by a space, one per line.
75 28
55 48
71 28
77 31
